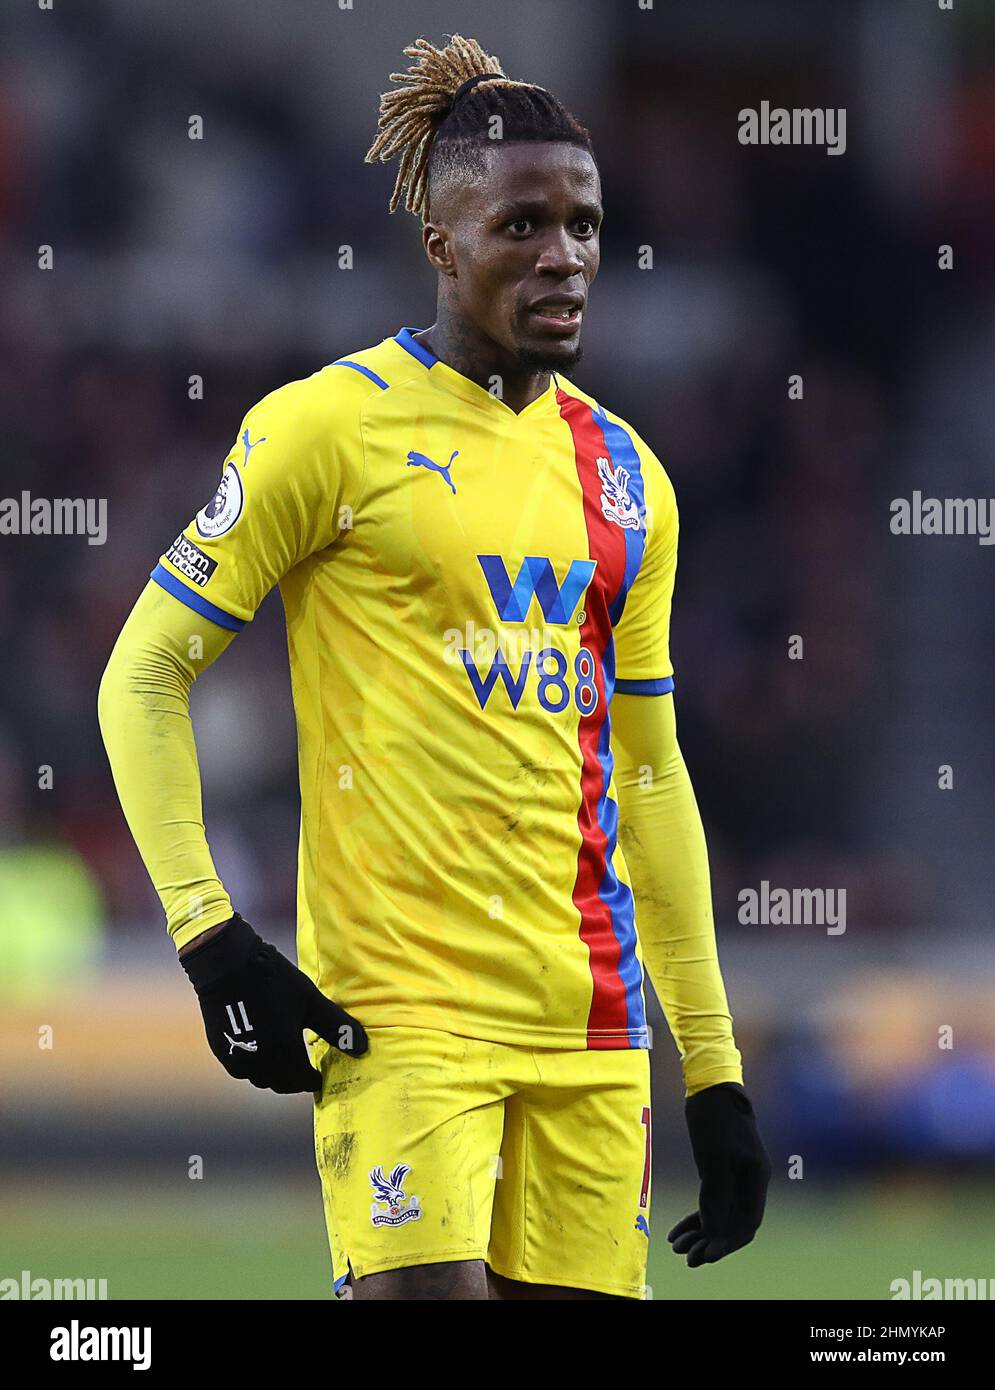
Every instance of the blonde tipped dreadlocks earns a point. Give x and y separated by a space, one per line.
438 122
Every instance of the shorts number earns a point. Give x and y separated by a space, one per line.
644 1194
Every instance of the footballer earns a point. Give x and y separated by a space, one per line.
476 560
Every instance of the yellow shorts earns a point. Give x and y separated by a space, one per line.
434 1147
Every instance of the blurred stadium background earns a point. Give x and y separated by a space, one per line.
219 258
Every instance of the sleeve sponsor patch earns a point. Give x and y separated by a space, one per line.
191 561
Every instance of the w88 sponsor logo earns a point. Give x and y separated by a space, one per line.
559 682
556 685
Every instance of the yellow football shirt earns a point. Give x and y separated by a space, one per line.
464 588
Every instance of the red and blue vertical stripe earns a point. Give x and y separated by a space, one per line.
607 911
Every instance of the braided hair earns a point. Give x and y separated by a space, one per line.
438 122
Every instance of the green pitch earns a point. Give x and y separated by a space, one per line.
163 1240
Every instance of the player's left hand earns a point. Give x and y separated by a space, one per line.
734 1170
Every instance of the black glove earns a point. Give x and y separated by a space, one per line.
256 1005
734 1170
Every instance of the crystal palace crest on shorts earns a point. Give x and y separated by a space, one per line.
390 1194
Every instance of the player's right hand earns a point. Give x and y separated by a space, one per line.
256 1005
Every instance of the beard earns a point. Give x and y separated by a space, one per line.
549 359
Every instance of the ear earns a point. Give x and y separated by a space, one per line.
437 241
